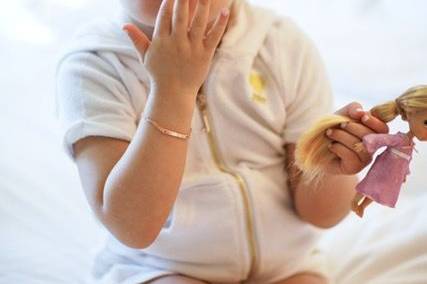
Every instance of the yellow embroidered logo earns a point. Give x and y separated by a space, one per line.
258 87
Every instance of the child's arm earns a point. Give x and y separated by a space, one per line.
325 205
132 187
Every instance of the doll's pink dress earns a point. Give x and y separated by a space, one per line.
386 176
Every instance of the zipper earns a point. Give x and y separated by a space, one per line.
202 104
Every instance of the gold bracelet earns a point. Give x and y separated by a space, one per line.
167 131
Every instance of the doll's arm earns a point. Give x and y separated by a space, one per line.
373 142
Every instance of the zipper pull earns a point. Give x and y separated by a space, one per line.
201 101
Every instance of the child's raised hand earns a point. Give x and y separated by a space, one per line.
352 161
180 53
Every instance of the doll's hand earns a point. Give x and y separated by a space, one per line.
350 159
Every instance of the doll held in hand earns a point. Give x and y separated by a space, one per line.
384 180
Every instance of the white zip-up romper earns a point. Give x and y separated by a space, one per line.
233 219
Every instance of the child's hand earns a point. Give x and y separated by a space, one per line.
179 55
352 161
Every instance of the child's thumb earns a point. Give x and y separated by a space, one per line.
139 39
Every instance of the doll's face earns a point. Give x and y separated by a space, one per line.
418 124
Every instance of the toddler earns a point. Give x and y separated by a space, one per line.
182 118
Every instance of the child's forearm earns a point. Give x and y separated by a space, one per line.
326 205
142 187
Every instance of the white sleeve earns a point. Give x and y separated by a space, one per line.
305 84
91 101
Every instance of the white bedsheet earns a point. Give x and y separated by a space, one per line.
373 50
387 246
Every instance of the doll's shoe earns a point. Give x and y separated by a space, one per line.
360 212
355 207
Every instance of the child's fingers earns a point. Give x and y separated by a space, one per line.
192 5
374 123
139 39
164 18
349 141
353 110
200 21
349 162
180 17
215 34
357 129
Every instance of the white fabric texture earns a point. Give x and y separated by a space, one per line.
102 89
93 101
387 246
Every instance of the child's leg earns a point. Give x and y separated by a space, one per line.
304 278
176 279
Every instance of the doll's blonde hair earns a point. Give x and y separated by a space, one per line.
312 153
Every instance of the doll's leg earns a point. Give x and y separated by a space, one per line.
361 206
355 205
365 203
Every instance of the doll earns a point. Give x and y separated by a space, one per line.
383 182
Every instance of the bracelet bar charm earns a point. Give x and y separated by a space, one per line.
168 131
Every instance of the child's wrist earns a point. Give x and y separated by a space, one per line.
175 92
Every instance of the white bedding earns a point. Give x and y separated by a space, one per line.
387 246
373 50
